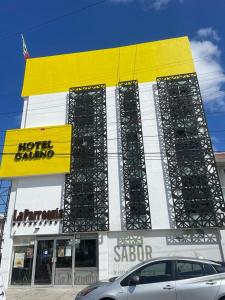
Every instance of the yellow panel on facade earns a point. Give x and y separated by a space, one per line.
36 151
143 62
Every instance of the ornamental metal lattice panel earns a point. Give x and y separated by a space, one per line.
86 187
195 187
134 172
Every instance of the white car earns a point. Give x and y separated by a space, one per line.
170 278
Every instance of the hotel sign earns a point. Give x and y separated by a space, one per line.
36 151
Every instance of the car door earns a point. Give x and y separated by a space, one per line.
193 283
155 281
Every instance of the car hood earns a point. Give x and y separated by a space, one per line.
101 283
94 286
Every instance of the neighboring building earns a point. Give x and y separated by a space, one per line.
5 188
112 165
2 220
220 162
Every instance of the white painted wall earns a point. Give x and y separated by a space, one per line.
7 237
113 161
45 110
221 171
39 193
103 255
155 178
126 249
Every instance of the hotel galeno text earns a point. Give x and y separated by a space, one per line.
34 150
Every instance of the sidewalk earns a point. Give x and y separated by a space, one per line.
42 293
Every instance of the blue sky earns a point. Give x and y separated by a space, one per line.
56 27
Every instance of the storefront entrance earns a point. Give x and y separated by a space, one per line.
44 262
58 261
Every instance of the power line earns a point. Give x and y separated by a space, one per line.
112 155
57 141
74 12
9 113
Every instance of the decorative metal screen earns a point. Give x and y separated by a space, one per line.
86 187
195 186
134 173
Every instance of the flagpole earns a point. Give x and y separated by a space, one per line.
25 51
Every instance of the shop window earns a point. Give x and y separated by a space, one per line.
85 253
63 266
22 265
64 253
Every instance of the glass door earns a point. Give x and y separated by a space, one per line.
86 268
63 262
44 262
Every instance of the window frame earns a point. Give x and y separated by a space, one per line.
125 282
212 266
189 261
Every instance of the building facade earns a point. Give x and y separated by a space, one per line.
113 165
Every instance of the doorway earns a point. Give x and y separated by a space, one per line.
66 261
44 262
63 262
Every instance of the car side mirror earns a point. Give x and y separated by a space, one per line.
134 280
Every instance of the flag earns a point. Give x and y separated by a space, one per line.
25 51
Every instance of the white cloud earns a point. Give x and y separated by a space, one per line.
208 32
156 4
210 71
159 4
